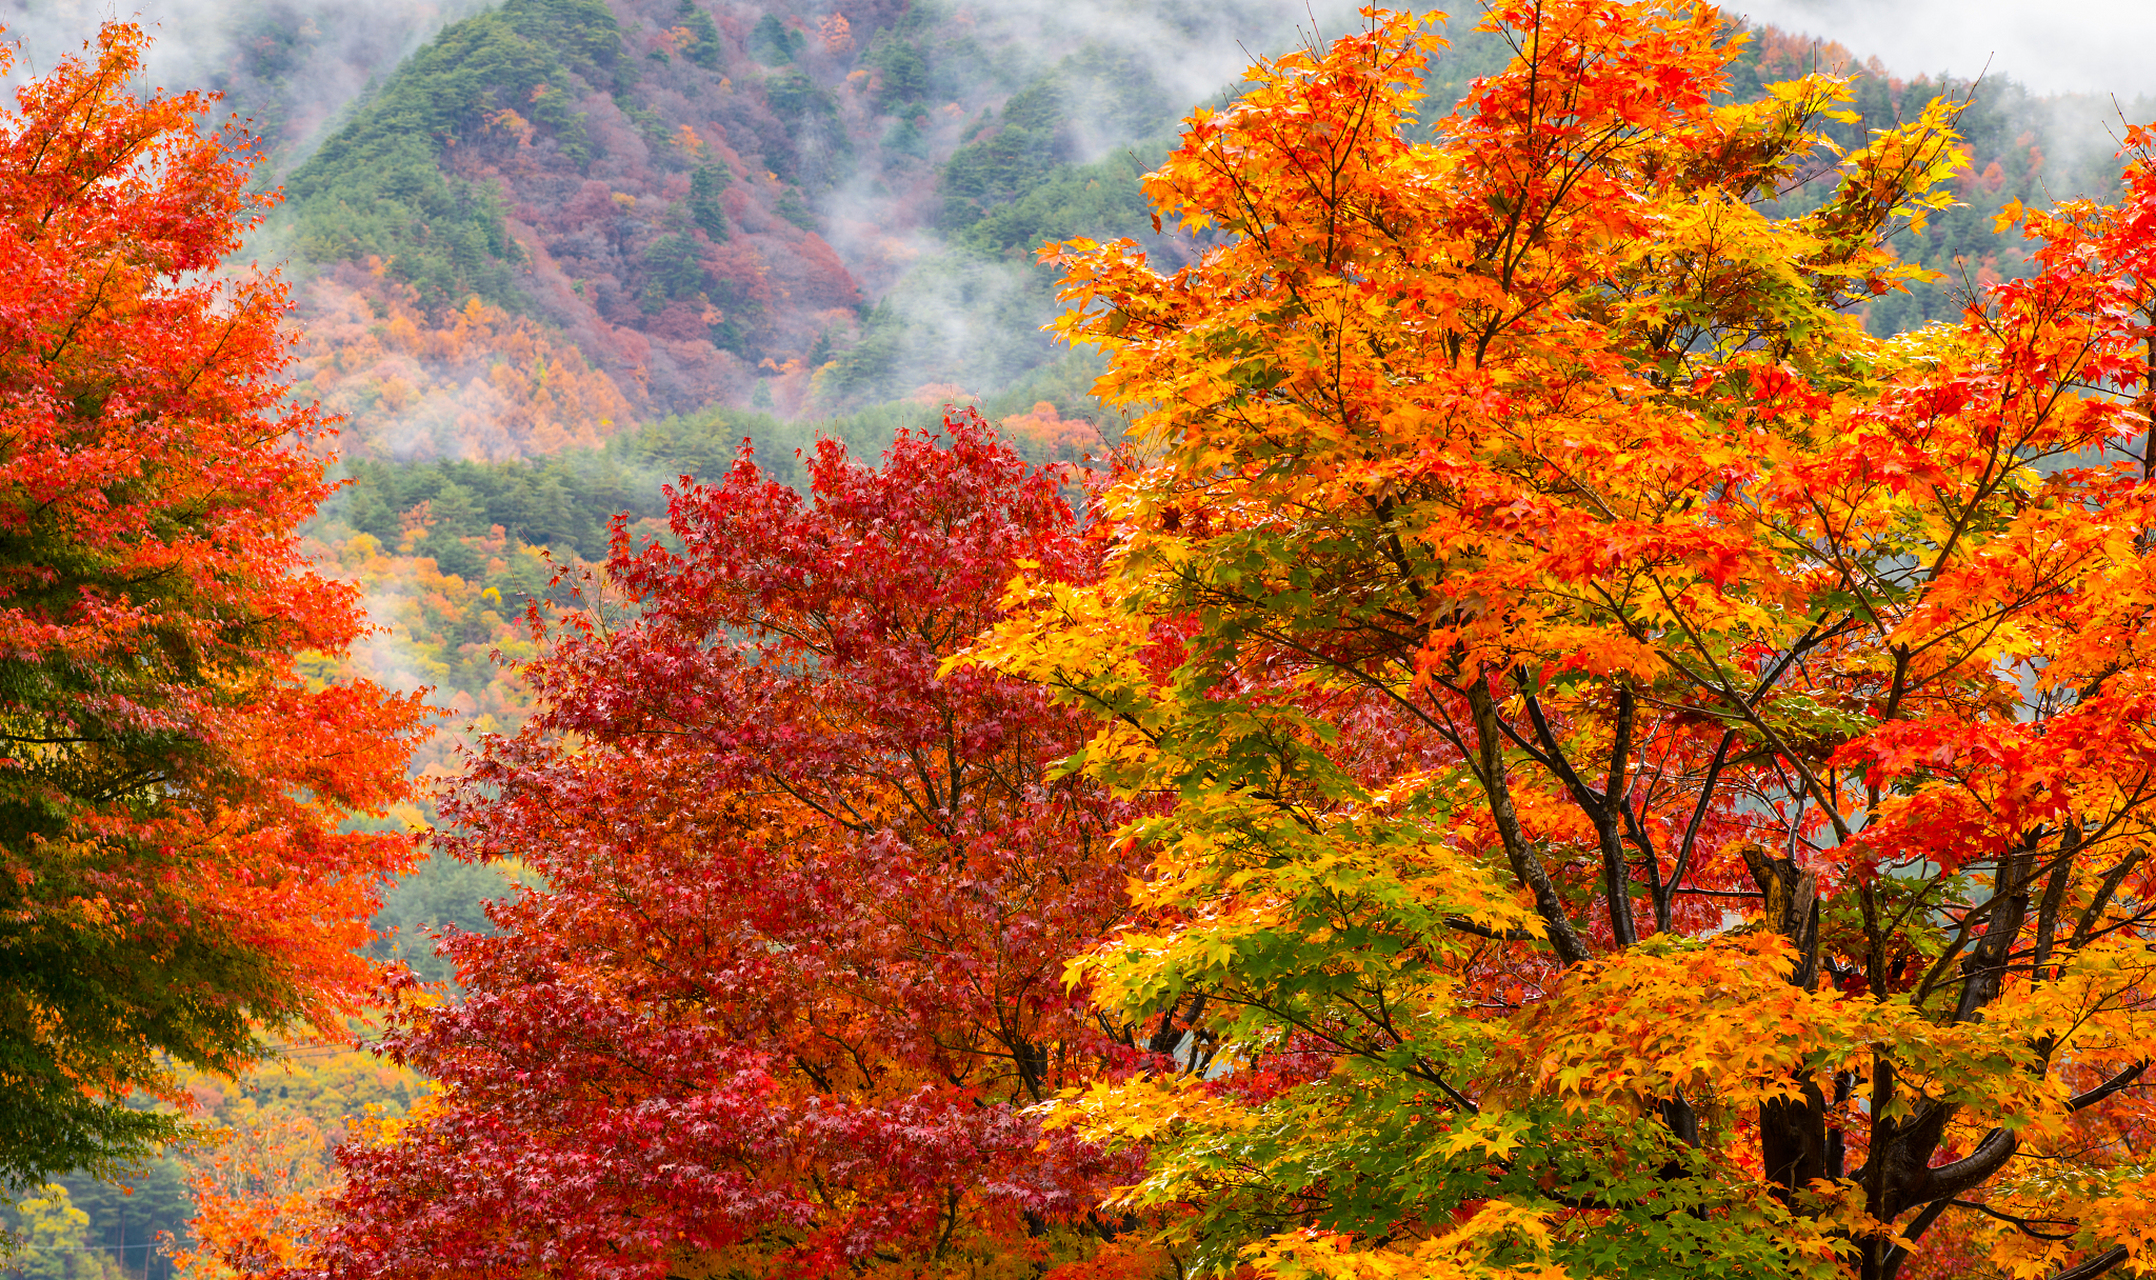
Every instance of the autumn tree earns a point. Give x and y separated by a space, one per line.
1661 782
175 778
795 971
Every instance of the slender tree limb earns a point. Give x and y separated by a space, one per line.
2090 1268
1489 767
2123 1080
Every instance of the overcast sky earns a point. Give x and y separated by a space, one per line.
2052 46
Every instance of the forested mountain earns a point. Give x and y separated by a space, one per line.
663 206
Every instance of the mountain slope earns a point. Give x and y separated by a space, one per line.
708 204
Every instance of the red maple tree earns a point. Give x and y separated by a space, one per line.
797 964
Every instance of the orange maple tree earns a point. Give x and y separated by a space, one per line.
1663 782
177 877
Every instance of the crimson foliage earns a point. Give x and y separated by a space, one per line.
796 968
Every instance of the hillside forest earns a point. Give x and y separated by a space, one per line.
599 293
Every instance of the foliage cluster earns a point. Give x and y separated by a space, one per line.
2017 149
791 1016
451 555
262 1155
258 1177
481 383
51 1239
1658 779
174 788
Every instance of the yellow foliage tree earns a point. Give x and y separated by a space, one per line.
1655 782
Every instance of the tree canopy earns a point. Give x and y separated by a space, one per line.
1661 780
793 975
176 879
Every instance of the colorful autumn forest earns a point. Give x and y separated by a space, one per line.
919 641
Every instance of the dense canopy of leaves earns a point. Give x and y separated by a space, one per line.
174 782
795 971
1662 780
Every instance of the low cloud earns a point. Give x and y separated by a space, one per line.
2089 47
292 66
